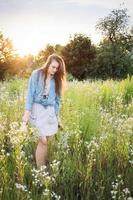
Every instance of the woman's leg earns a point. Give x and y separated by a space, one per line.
42 151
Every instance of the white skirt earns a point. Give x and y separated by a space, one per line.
44 119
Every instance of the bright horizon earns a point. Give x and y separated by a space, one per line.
32 37
32 24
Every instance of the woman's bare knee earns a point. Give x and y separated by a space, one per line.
43 140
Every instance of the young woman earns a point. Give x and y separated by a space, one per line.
45 88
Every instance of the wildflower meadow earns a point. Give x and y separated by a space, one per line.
91 158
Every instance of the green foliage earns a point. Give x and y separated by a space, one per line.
6 55
10 63
79 54
114 57
70 77
114 24
91 158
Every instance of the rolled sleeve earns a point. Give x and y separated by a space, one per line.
30 91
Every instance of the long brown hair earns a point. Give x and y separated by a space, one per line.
59 76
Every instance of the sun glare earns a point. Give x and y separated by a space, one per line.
33 44
30 39
26 45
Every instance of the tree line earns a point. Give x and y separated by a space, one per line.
111 58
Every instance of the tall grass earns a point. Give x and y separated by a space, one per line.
91 158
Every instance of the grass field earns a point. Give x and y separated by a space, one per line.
90 159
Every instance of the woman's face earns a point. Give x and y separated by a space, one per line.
53 67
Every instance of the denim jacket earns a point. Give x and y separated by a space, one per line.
35 92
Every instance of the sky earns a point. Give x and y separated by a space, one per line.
32 24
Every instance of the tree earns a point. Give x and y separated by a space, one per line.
44 53
78 55
7 56
114 50
114 24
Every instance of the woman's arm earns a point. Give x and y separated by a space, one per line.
26 116
30 91
29 97
57 105
57 110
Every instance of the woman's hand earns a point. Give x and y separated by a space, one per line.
26 116
59 122
23 127
25 120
